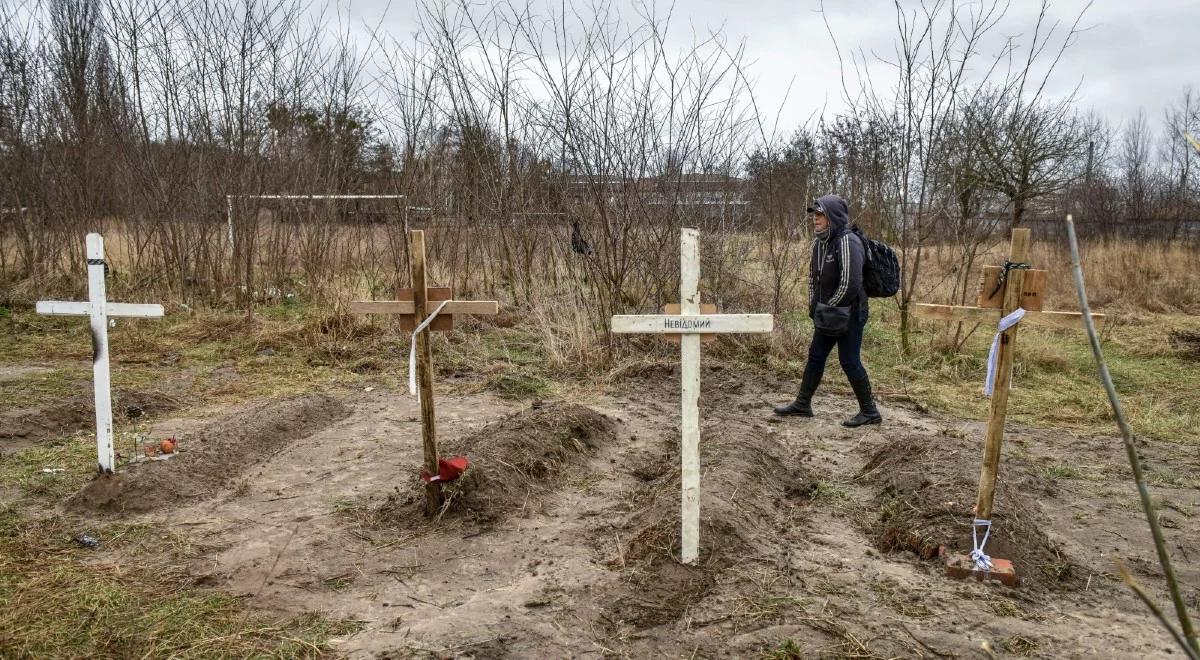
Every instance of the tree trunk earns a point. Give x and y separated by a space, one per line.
1018 213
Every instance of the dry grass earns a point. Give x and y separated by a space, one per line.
58 599
1121 276
549 346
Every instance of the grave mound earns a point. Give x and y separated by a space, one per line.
925 494
211 457
750 493
1186 344
513 462
78 413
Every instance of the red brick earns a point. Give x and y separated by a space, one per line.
962 566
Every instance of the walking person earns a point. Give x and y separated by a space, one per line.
837 304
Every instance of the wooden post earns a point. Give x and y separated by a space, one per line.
433 490
998 410
689 354
101 383
1021 289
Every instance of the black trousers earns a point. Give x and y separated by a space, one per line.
849 348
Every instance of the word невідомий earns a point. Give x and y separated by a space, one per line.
686 324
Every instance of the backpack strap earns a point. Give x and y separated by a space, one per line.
866 243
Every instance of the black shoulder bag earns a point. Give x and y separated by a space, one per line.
830 320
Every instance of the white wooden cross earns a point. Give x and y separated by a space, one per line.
691 323
98 309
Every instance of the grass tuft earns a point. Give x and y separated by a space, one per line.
58 599
787 650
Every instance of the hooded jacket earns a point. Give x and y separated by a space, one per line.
836 264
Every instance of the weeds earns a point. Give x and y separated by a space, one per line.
767 603
1019 645
910 606
823 491
36 388
1063 472
787 650
242 487
1005 607
338 582
51 471
519 385
58 600
1170 479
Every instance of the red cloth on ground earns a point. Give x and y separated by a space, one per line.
449 469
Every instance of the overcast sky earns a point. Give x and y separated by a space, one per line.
1133 55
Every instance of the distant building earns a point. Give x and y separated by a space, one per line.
699 196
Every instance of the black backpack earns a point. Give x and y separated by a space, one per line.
881 268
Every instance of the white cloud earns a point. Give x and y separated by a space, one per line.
1132 55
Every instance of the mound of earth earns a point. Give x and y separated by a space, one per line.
750 493
78 413
211 457
1186 343
513 461
926 492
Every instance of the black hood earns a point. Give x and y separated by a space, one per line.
836 211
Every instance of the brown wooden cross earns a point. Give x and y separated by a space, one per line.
414 306
1002 292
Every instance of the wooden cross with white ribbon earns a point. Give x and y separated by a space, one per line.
98 310
690 322
423 309
1008 297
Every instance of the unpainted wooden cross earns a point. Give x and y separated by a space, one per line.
691 322
414 306
1003 291
98 310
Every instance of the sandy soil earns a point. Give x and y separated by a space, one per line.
810 532
12 373
24 427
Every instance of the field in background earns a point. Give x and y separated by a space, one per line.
552 333
548 342
320 262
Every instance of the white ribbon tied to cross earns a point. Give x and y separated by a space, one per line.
994 355
982 561
412 351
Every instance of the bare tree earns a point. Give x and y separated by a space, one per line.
1028 140
1137 169
1181 161
937 44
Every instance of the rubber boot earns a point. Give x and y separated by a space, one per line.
802 406
867 412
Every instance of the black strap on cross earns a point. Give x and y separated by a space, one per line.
99 262
1008 266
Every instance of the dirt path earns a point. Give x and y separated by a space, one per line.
790 546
